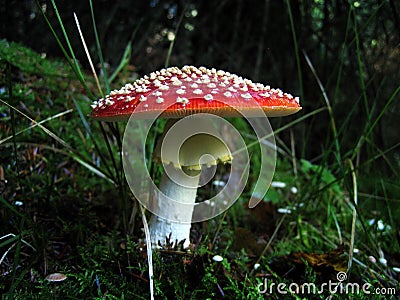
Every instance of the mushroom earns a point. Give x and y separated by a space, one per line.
174 93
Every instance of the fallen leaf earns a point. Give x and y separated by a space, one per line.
334 258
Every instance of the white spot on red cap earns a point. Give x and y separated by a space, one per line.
109 102
208 97
266 94
232 89
164 87
182 100
177 82
246 96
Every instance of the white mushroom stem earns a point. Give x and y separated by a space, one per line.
161 228
184 154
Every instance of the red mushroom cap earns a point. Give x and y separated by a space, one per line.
175 93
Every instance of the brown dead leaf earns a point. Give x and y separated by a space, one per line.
334 258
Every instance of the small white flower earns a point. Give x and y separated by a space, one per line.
284 211
278 184
381 226
217 258
383 261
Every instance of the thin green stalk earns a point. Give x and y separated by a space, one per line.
35 125
89 131
354 219
126 56
72 62
6 204
271 239
55 36
149 251
109 148
381 154
12 115
328 106
171 45
342 57
302 118
16 261
360 65
119 177
124 61
99 51
72 152
75 61
296 48
373 125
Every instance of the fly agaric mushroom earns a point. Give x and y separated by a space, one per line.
174 93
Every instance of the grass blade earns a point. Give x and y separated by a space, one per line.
71 61
328 106
368 132
98 47
12 115
296 48
298 120
149 251
124 61
75 62
89 131
353 224
72 152
172 43
37 124
88 55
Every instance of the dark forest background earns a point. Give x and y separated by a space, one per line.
353 45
